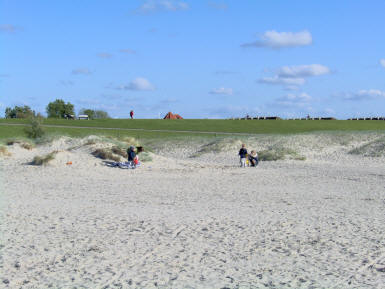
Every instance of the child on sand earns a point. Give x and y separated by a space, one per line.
243 154
131 155
253 158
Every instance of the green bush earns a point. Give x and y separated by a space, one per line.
35 131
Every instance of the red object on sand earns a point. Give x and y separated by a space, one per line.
170 115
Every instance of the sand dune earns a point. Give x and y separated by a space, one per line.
192 218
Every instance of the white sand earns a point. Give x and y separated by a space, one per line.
203 222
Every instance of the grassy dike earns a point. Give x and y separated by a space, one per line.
169 128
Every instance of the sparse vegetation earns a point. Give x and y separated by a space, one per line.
145 157
374 148
105 154
119 151
27 146
43 160
279 153
4 151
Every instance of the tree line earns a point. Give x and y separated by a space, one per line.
56 109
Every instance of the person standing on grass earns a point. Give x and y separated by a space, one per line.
243 155
132 114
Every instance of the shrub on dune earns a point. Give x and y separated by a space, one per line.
42 160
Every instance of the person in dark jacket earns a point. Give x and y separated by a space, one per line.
131 155
253 159
243 155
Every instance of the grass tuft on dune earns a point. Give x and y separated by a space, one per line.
375 148
43 160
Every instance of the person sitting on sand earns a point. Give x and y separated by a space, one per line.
131 155
243 154
253 159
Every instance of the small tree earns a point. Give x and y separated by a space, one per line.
35 130
19 112
100 114
94 114
58 108
89 112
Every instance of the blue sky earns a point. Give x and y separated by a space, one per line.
201 59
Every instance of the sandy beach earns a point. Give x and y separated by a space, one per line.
191 218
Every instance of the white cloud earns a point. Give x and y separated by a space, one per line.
293 76
303 70
369 94
300 100
290 81
382 62
222 90
302 97
104 55
139 84
276 40
84 71
166 5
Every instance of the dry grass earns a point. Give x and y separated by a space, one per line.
12 142
374 148
279 153
105 154
4 151
27 146
43 160
119 151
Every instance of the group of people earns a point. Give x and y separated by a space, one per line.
245 158
248 159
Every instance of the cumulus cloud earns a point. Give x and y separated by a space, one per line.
222 90
296 97
293 76
382 62
127 51
104 55
139 84
79 71
363 94
8 28
291 100
159 5
303 71
276 40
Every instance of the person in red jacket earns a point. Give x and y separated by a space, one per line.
132 114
